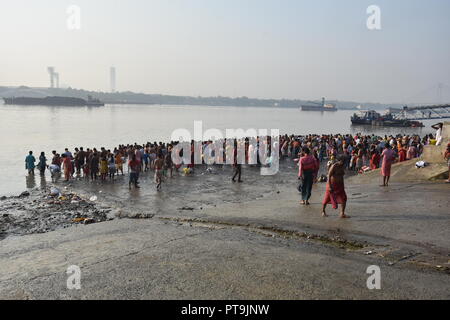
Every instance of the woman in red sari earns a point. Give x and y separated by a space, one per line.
67 165
402 153
335 191
374 160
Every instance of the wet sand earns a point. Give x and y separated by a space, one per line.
204 237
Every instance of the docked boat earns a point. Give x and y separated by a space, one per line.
92 102
54 101
315 106
374 118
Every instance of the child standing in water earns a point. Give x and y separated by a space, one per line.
103 168
111 167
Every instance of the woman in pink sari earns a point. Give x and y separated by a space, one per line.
388 158
411 153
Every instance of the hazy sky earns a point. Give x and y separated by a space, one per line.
256 48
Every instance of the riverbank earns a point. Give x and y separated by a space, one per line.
204 237
49 126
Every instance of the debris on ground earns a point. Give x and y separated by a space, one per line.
24 194
187 208
40 211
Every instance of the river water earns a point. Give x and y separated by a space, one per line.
39 128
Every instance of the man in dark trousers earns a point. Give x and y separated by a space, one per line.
237 166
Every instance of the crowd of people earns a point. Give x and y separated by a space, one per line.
357 153
103 164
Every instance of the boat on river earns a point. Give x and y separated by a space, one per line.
373 118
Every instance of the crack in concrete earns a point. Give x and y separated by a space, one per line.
143 248
273 231
354 246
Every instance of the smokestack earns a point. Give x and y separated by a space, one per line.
112 74
51 71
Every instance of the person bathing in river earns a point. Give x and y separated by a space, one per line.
146 158
111 167
168 164
93 164
307 172
134 167
67 166
103 168
79 160
42 165
29 163
159 164
119 163
335 190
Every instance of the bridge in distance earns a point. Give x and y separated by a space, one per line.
438 111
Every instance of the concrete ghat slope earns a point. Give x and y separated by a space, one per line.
407 222
400 212
152 259
252 240
437 168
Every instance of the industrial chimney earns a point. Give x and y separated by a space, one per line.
51 71
112 74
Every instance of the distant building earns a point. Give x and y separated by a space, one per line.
54 77
51 72
113 79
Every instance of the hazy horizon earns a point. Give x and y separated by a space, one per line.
259 49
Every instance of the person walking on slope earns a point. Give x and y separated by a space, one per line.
335 190
307 172
388 159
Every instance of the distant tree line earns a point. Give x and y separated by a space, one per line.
129 97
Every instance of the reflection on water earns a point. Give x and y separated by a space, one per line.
30 181
43 182
40 128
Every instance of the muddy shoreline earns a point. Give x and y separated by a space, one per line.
37 211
